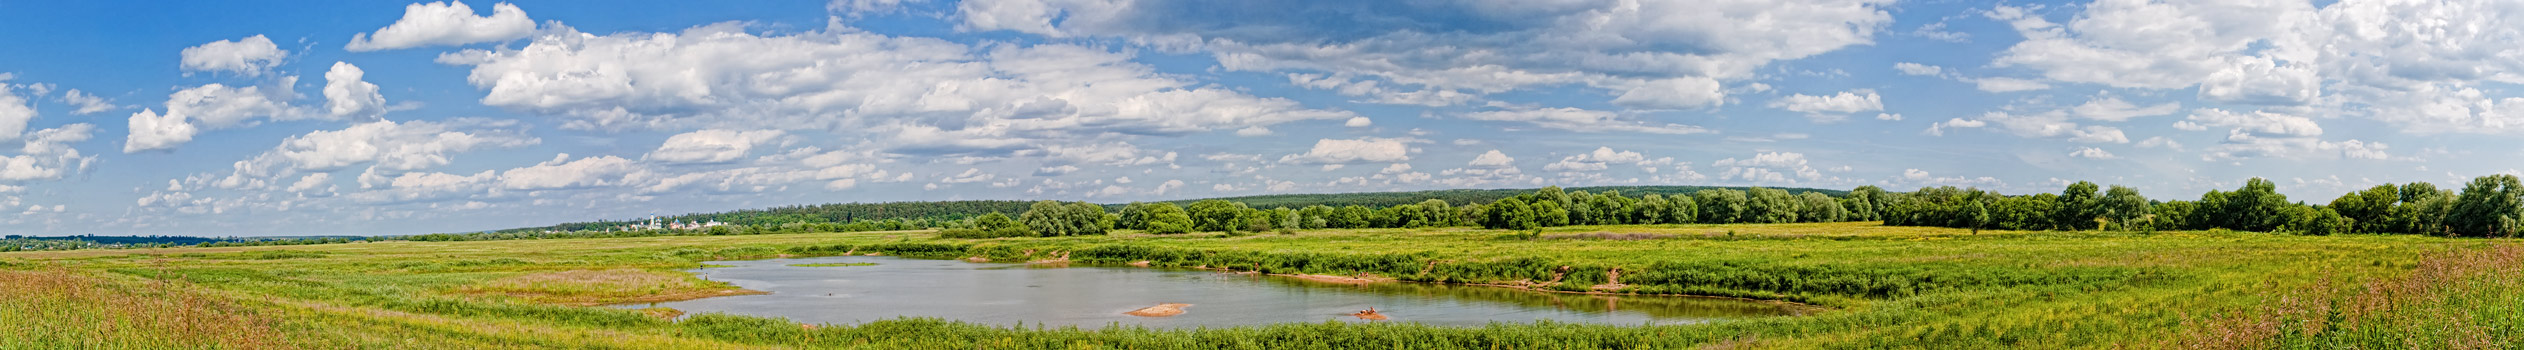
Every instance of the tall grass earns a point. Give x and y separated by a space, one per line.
57 308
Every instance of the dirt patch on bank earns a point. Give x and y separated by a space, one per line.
1360 279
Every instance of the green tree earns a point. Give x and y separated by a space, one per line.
1548 213
1511 214
1771 206
2488 207
1653 209
1980 215
2075 209
1134 217
2124 207
1215 215
1720 206
1352 216
1316 216
1681 209
1818 207
1165 218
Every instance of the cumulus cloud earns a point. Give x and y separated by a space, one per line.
711 145
83 103
14 111
1579 120
214 106
1650 54
347 96
251 56
2052 124
1832 107
1492 159
563 173
1924 178
2414 64
2002 84
1908 68
445 24
2092 153
153 131
2113 109
386 147
1673 93
1595 160
1336 151
915 95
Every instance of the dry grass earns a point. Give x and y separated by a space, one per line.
58 308
600 287
2411 308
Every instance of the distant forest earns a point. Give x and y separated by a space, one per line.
929 214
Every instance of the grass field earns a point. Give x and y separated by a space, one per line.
1902 287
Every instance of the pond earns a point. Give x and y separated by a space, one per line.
1093 297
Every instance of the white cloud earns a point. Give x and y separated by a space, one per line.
1908 68
251 56
1358 122
2416 64
711 146
914 95
1923 178
2256 122
1596 160
2160 141
1651 54
1888 116
445 24
152 131
1833 107
387 147
1335 151
1674 93
563 173
2113 109
221 106
1492 159
311 182
1766 160
14 112
2002 84
2053 124
2092 153
1580 120
347 96
85 104
970 175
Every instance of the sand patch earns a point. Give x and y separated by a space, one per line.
1161 310
1370 314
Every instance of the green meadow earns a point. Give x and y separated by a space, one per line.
1872 286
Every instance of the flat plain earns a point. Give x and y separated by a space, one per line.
1873 286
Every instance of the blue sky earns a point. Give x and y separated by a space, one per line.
300 118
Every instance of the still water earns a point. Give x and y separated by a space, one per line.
1091 297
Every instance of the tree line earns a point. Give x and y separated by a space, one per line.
2488 206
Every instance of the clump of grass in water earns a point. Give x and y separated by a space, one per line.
835 264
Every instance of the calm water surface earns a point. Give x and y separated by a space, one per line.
1006 294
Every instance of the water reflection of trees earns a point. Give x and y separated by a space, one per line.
1654 306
